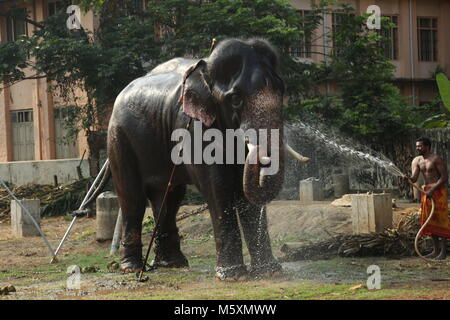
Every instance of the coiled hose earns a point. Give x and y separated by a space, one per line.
416 240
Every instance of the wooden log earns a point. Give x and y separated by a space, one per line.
289 247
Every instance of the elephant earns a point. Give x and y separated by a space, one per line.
236 87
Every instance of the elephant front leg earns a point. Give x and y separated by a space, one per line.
254 223
216 183
230 262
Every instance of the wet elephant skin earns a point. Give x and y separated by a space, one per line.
222 91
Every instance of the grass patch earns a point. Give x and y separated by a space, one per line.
83 234
259 290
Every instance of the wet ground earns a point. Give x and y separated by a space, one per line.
24 263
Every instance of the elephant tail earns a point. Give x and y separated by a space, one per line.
101 186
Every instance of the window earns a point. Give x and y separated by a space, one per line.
427 38
22 135
15 27
54 7
337 20
66 145
22 116
302 47
391 45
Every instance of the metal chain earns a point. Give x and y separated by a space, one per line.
202 208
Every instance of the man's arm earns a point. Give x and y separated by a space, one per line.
415 170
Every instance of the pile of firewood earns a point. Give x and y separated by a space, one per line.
392 242
55 201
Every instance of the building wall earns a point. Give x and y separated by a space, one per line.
33 94
43 171
411 73
414 76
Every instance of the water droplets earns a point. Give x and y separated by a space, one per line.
332 143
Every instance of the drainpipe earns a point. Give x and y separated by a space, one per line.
325 44
411 53
38 101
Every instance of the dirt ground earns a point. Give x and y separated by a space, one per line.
24 263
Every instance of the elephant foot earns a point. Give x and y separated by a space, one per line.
131 265
175 261
131 258
271 269
167 251
233 273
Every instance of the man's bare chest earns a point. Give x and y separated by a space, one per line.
427 166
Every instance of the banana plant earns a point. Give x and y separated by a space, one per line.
441 120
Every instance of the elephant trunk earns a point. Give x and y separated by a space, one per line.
261 187
264 165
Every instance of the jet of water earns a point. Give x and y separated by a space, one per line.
340 145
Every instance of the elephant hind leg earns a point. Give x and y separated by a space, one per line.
167 241
132 199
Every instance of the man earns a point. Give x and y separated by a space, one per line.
435 173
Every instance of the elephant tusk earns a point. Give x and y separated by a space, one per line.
295 154
264 160
252 149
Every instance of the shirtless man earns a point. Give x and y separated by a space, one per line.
434 170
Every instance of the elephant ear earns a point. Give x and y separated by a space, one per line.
196 96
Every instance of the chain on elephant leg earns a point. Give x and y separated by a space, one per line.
167 251
131 258
131 253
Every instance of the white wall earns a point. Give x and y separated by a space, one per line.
42 172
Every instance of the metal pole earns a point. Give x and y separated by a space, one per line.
29 215
88 194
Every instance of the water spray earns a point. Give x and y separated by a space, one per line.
367 155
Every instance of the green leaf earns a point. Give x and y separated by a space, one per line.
436 124
444 89
435 117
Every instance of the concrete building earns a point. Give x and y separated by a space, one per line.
31 126
419 43
30 122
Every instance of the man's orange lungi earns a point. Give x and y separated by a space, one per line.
439 224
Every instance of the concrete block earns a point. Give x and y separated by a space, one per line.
21 224
371 212
311 190
42 171
107 212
